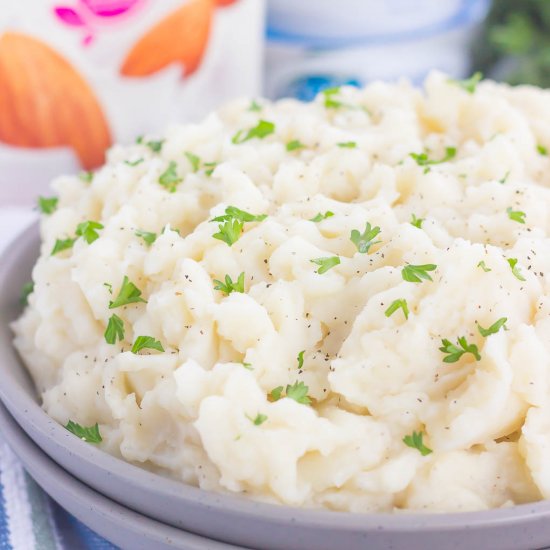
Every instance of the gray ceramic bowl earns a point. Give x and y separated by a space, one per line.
118 524
231 518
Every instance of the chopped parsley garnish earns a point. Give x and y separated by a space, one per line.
109 287
210 167
416 273
62 244
129 293
470 84
232 212
229 232
422 159
26 291
294 145
347 144
194 161
504 179
417 222
483 266
320 217
247 366
88 231
169 178
89 434
325 263
297 391
398 304
146 342
155 146
363 241
47 205
494 328
516 215
415 441
454 353
262 129
259 420
300 359
229 286
512 262
331 101
233 222
86 177
542 150
133 162
114 330
254 106
139 140
147 236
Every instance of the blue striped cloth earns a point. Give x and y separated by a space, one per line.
29 519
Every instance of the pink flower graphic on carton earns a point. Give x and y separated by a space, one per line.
87 15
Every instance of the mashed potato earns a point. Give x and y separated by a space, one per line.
364 326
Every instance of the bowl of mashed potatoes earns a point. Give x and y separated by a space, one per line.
338 307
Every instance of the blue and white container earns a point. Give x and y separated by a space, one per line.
313 44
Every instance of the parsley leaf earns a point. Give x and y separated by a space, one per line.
193 160
47 205
494 328
114 330
247 366
397 304
454 353
415 441
298 392
155 146
26 290
254 106
294 145
276 393
259 420
415 273
320 217
232 212
262 129
229 286
483 266
331 102
229 232
300 359
516 215
147 236
542 150
363 241
133 162
62 244
129 293
347 144
325 263
146 342
422 159
417 222
469 85
88 231
210 167
515 270
89 434
86 177
169 178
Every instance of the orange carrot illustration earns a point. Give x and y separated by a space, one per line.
182 37
44 102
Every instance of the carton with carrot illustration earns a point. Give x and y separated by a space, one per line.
79 75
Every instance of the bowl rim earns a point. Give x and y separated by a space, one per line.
18 401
